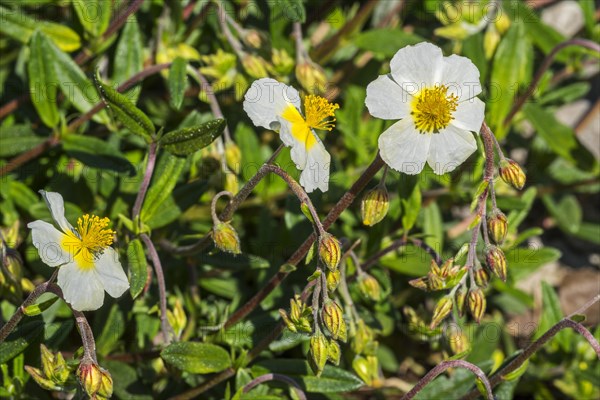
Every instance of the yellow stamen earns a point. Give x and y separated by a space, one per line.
318 110
90 238
432 109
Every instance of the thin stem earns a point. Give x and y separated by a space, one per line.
345 293
443 366
213 205
275 377
301 53
162 292
233 42
139 200
543 68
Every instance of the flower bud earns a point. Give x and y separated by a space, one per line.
231 183
233 156
369 287
318 352
477 303
330 251
333 280
362 337
459 298
420 283
41 379
360 365
482 277
491 38
290 325
497 226
375 205
502 22
255 66
334 352
496 261
106 385
458 341
311 76
512 173
253 38
333 319
47 361
90 377
442 309
177 318
226 238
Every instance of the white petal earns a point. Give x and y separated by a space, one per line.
298 148
316 172
111 274
403 148
266 99
461 76
469 115
386 99
81 288
55 203
47 239
450 148
416 67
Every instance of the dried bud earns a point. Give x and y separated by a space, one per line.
330 250
496 261
434 281
512 173
442 309
482 277
233 156
255 66
497 226
311 76
375 205
369 287
334 352
459 298
477 303
333 319
226 238
318 352
333 280
90 377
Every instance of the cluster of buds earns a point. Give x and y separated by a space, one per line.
417 327
96 381
512 173
440 278
375 205
321 350
300 318
330 251
55 371
226 238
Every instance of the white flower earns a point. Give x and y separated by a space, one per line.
88 265
276 106
434 98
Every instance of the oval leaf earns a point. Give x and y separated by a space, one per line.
197 358
163 181
138 275
177 81
42 79
129 57
183 142
94 15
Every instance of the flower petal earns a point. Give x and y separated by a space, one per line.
469 115
418 66
403 148
47 239
55 203
386 99
294 133
450 148
461 76
111 274
316 172
81 288
266 99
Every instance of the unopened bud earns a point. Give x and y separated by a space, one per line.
311 76
442 309
362 337
231 183
496 261
334 352
419 283
177 318
233 156
375 205
512 173
226 238
330 250
290 325
497 226
90 377
253 38
502 22
333 319
491 38
106 385
333 280
255 66
318 352
369 287
482 277
459 298
477 303
458 341
47 361
41 379
360 365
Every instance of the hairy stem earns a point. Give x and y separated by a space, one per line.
275 377
139 200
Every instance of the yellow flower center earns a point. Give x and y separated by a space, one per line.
432 109
319 113
90 238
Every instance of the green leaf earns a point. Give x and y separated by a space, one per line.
125 111
197 358
38 308
126 383
17 139
230 261
511 69
96 153
410 200
589 231
94 15
23 336
185 141
412 261
20 26
163 181
42 79
290 10
432 227
333 379
129 57
113 327
566 94
567 212
177 81
385 42
551 314
523 261
138 273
